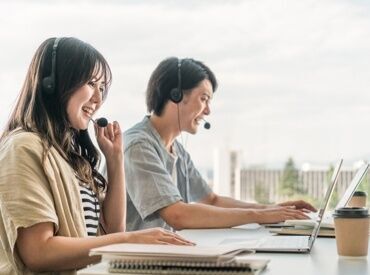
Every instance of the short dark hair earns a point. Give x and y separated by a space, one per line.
165 78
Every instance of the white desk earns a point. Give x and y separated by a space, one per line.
323 258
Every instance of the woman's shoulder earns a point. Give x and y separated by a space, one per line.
20 140
24 137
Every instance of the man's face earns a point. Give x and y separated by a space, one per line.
195 106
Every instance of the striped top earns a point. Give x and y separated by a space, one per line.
91 209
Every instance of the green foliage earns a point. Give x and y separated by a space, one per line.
289 184
291 187
261 193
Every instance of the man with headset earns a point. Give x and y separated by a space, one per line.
160 176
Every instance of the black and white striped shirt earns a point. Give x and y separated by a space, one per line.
91 209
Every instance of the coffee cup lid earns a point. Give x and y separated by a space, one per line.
351 212
360 194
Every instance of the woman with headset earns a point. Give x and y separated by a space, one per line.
54 204
161 177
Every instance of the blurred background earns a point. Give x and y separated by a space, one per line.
294 85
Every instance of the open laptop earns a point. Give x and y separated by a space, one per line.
296 244
328 219
357 179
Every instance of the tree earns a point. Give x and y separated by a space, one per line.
289 184
261 194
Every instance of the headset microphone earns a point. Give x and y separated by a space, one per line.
101 122
206 125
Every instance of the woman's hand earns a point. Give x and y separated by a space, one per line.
110 141
113 211
156 236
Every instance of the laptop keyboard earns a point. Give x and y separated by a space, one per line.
284 242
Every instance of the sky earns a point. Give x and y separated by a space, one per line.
294 76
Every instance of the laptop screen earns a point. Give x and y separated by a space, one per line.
352 186
325 203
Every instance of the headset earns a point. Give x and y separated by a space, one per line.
176 94
48 83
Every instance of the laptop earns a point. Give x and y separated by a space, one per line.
295 244
357 179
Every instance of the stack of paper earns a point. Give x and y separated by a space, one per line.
178 260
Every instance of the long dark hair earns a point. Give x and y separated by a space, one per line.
46 114
165 77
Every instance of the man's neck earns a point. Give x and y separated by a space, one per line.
166 128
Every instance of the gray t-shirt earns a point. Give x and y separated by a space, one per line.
149 180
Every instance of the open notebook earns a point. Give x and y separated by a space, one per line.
173 259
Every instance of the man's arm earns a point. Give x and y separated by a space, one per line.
227 202
182 215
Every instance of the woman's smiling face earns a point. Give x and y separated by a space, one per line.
84 103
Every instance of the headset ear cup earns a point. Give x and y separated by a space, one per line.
176 95
48 85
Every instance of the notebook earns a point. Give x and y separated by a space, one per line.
304 230
298 244
172 259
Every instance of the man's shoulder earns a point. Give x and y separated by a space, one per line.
139 133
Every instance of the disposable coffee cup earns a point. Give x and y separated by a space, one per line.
352 231
358 199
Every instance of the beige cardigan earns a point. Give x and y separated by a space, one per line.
32 192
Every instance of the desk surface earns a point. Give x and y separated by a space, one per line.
323 258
